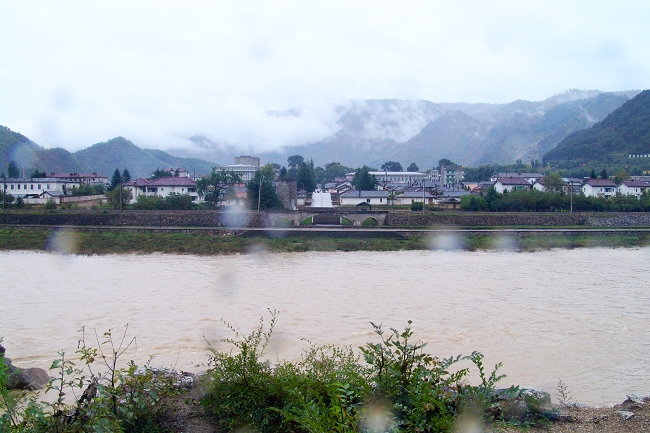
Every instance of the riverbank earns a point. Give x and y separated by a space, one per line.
218 242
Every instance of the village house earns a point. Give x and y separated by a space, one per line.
81 178
508 184
599 188
530 177
633 187
540 185
36 187
354 198
163 187
410 197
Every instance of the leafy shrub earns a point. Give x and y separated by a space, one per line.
416 206
121 399
399 388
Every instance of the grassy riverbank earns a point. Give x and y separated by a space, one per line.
127 242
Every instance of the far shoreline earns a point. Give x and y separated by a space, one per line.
219 241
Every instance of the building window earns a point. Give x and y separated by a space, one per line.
12 187
48 186
380 200
39 186
367 200
18 186
32 186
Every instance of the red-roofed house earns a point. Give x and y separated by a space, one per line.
508 184
599 188
163 187
633 187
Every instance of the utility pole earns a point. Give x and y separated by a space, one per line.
259 192
4 193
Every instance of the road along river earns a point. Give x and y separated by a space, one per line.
582 316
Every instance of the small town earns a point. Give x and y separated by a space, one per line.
238 184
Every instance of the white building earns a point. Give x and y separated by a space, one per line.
599 188
410 197
540 185
353 198
633 187
508 184
81 178
399 177
530 177
245 171
39 185
163 187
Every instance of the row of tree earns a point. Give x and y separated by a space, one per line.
532 200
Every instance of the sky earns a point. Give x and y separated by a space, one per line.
264 74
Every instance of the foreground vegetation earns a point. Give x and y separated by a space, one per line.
392 386
117 242
216 243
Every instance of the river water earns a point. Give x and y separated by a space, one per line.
582 316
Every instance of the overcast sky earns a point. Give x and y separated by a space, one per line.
74 73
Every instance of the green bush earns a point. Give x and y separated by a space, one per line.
122 399
400 388
416 206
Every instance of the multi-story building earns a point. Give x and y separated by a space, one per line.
451 175
81 178
26 187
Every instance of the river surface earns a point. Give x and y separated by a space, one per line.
582 316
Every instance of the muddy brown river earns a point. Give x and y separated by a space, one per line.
582 316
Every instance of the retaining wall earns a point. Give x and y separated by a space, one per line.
253 219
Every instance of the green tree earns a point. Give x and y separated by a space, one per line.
473 202
126 176
178 202
115 180
413 167
37 174
113 197
391 166
603 174
260 190
553 182
12 169
7 198
593 174
295 161
621 175
213 188
445 161
363 180
306 178
158 173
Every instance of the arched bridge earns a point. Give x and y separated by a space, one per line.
338 217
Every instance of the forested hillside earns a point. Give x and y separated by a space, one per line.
624 132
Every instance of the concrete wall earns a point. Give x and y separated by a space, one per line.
134 218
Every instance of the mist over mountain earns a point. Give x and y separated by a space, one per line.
367 132
374 131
